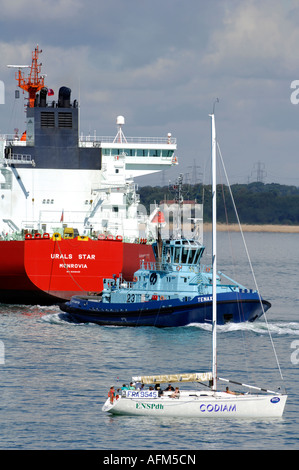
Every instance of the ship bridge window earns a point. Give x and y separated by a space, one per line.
167 153
142 153
154 153
117 152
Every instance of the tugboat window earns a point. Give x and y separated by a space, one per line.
177 255
192 253
184 255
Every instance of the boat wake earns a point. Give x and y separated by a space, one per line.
59 319
258 327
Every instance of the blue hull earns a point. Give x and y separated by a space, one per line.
231 307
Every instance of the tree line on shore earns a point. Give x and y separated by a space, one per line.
257 203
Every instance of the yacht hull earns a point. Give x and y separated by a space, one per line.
220 405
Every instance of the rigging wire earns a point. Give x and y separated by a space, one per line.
245 342
249 260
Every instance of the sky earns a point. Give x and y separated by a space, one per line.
162 64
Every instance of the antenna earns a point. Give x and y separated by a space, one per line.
34 82
18 66
120 121
216 101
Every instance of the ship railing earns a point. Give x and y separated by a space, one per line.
129 140
126 285
148 265
19 158
155 266
12 139
98 140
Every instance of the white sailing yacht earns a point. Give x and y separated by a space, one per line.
211 403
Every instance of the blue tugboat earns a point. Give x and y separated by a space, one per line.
175 290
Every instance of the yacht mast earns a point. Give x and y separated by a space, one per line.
214 253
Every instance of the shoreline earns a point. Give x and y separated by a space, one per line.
253 228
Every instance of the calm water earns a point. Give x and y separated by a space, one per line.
56 374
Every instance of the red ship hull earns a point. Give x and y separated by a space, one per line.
45 272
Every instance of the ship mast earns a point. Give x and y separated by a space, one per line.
178 198
34 82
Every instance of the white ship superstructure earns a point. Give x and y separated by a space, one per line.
50 178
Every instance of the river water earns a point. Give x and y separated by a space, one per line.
55 375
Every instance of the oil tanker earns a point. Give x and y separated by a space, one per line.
70 210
